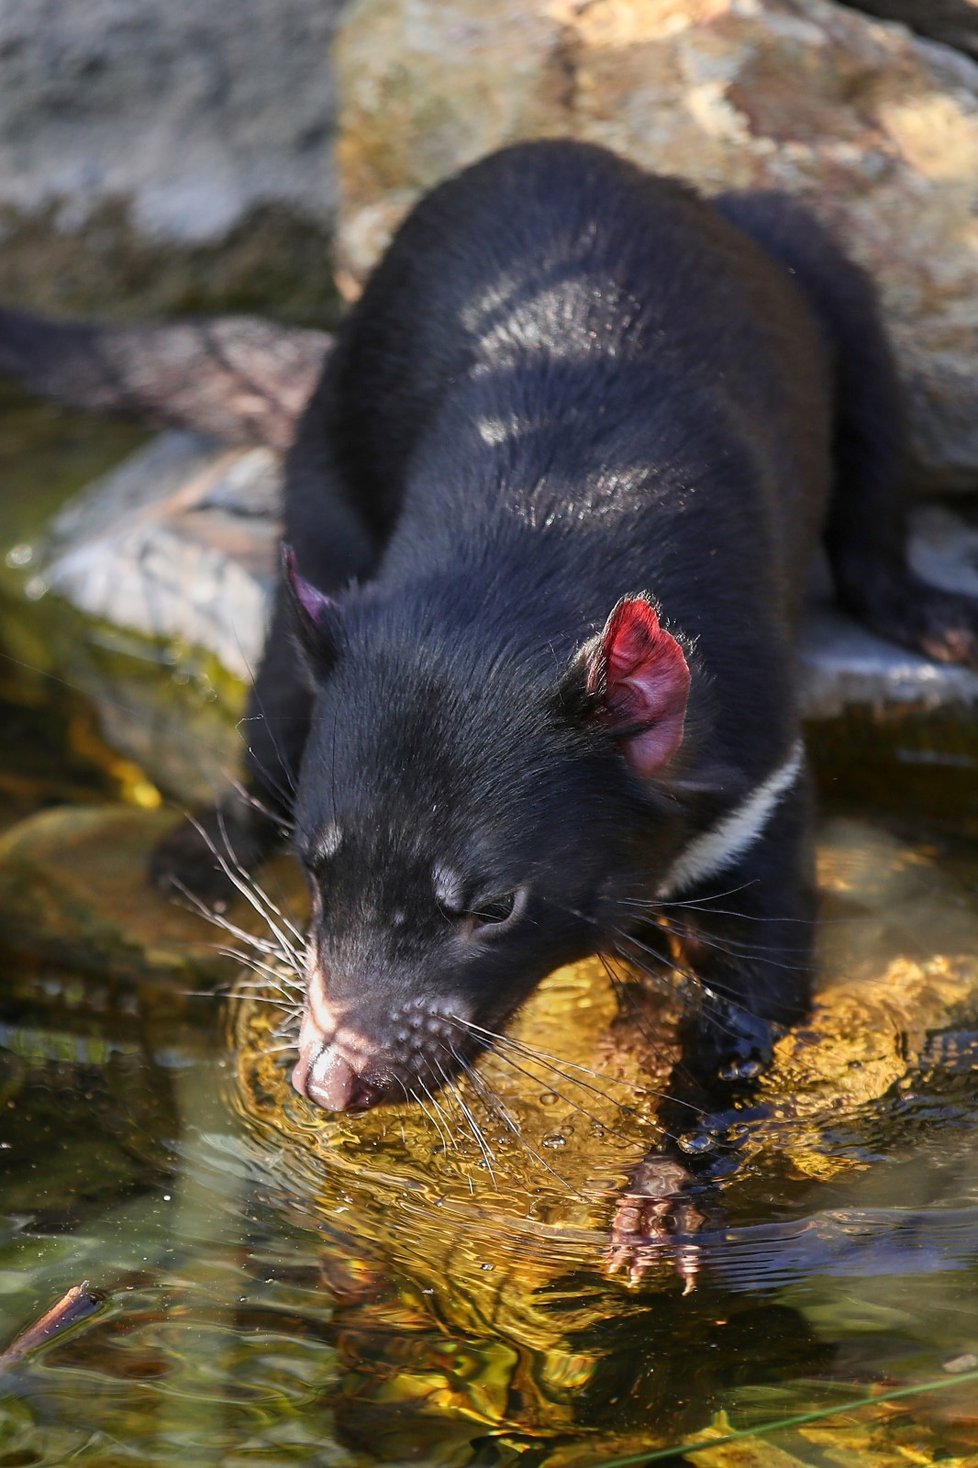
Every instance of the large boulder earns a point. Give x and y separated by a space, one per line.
875 128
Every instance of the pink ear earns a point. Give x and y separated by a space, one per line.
641 676
314 606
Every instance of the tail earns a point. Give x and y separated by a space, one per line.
866 534
238 378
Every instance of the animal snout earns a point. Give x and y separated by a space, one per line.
334 1080
355 1061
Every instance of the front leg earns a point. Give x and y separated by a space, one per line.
333 545
746 936
249 820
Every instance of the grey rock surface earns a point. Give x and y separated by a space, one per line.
178 543
193 111
843 666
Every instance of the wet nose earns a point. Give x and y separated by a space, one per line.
330 1079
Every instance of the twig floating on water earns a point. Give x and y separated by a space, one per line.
78 1303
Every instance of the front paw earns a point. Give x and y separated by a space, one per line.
657 1218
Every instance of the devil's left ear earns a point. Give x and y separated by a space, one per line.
633 679
317 616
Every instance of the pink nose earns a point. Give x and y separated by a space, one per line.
327 1078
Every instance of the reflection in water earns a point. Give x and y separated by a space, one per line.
284 1286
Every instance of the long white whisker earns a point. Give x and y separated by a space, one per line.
474 1127
561 1066
735 947
447 1139
249 889
218 920
499 1109
250 798
279 980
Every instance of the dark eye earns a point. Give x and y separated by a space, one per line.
496 910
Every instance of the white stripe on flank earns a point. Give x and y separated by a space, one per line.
736 832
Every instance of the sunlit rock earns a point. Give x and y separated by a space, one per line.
877 130
179 542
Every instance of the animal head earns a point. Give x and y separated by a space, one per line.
469 816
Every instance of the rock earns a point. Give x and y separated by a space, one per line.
844 666
74 894
170 558
877 130
171 713
179 542
192 111
171 157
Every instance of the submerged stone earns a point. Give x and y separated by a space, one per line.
74 893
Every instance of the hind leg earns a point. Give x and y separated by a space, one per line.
866 534
875 583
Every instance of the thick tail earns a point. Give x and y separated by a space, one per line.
237 378
866 534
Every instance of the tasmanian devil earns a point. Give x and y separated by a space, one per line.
549 518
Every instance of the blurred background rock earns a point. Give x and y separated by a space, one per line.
167 155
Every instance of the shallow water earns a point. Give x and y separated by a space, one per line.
272 1286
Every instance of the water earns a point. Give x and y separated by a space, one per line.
271 1286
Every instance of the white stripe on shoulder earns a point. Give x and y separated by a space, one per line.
736 832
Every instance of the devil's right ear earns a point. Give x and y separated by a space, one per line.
317 618
633 680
